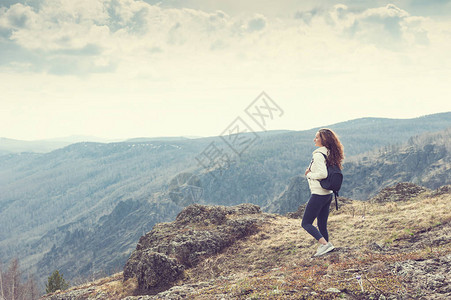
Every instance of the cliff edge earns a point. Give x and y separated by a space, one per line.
396 246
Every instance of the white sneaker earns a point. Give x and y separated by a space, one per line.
323 249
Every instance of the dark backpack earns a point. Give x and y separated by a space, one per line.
333 180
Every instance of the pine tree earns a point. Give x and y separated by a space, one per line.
56 282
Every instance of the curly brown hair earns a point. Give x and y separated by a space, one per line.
336 151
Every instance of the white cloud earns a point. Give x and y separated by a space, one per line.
121 30
136 52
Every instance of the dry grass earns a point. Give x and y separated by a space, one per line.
112 287
282 241
276 262
387 222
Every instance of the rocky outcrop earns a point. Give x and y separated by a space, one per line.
400 192
443 190
74 295
199 231
275 262
430 278
154 271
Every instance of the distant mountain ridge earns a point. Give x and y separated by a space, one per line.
8 146
72 198
16 146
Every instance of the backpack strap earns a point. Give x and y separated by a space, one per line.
325 157
336 201
335 193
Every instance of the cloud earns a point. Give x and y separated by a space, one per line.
431 7
59 37
17 17
12 55
177 57
66 65
308 15
388 27
256 24
382 25
20 16
104 35
129 15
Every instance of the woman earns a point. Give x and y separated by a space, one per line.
318 205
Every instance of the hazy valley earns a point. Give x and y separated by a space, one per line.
82 208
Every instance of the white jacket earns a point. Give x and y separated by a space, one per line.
318 171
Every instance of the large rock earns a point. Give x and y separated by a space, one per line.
443 190
199 231
402 191
155 270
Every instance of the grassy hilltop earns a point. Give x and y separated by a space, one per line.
398 244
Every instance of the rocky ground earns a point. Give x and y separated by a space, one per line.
396 246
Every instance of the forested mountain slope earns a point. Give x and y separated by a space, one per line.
56 207
423 160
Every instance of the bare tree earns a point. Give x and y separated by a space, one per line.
13 276
31 289
2 292
11 286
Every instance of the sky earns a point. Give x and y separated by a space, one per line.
120 69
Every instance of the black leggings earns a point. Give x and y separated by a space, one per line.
317 208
